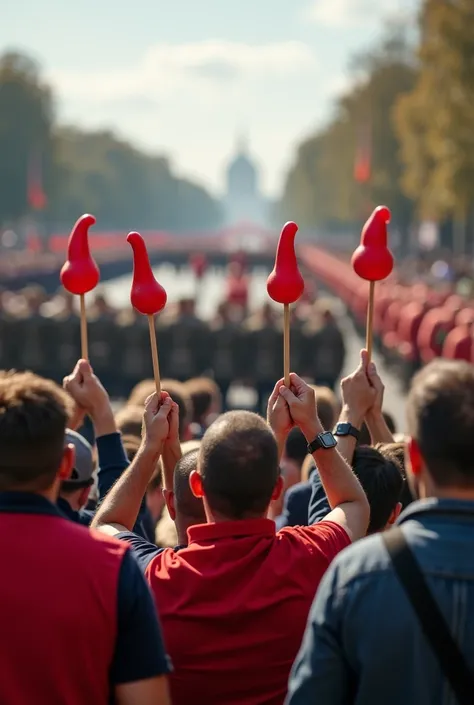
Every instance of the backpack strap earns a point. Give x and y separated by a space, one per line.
433 624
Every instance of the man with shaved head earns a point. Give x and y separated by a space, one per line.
234 603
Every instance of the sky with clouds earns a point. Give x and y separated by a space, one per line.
186 77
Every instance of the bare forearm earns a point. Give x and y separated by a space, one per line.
378 429
104 423
339 482
346 444
122 504
170 456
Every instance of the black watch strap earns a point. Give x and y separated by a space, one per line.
347 429
324 441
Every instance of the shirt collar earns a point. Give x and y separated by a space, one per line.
231 529
66 509
26 503
433 505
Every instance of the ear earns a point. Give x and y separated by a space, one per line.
278 489
395 514
169 499
414 457
67 462
195 483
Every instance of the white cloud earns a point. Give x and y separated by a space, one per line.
166 68
191 100
355 13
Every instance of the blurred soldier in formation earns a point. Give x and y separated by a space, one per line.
324 352
263 341
185 343
227 353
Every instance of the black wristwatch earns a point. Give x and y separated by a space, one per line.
323 441
347 429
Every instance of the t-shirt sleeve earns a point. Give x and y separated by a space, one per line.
326 537
139 650
143 550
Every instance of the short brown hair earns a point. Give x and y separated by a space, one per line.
204 392
33 417
440 413
238 461
327 406
179 394
129 420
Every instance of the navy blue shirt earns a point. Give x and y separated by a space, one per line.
143 550
139 649
112 462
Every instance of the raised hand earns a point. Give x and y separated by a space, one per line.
301 400
278 413
358 395
156 421
89 394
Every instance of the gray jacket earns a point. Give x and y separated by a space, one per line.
363 644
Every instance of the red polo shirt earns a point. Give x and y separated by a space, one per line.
234 605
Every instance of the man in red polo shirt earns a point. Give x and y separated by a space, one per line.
234 603
77 621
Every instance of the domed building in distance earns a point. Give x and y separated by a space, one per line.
243 201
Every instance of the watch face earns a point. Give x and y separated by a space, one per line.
327 440
343 429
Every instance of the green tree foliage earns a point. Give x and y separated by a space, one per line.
320 189
85 171
26 123
435 120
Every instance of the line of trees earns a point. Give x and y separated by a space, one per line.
57 173
416 98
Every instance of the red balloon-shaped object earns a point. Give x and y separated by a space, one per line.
285 284
80 273
147 296
372 260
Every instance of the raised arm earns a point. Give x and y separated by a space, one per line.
120 508
349 505
374 418
358 397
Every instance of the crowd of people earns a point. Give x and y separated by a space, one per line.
187 554
42 333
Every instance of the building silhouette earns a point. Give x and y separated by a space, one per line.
243 200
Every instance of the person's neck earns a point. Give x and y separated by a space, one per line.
49 494
460 493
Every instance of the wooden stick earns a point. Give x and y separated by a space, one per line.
286 344
370 321
154 354
84 344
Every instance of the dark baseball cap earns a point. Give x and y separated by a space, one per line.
83 469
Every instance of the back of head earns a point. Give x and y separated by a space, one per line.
129 420
205 397
82 475
238 462
296 446
440 412
327 407
396 452
141 392
382 482
187 505
33 418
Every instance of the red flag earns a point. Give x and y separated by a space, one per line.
36 195
363 157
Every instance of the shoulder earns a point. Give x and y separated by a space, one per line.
363 560
326 537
